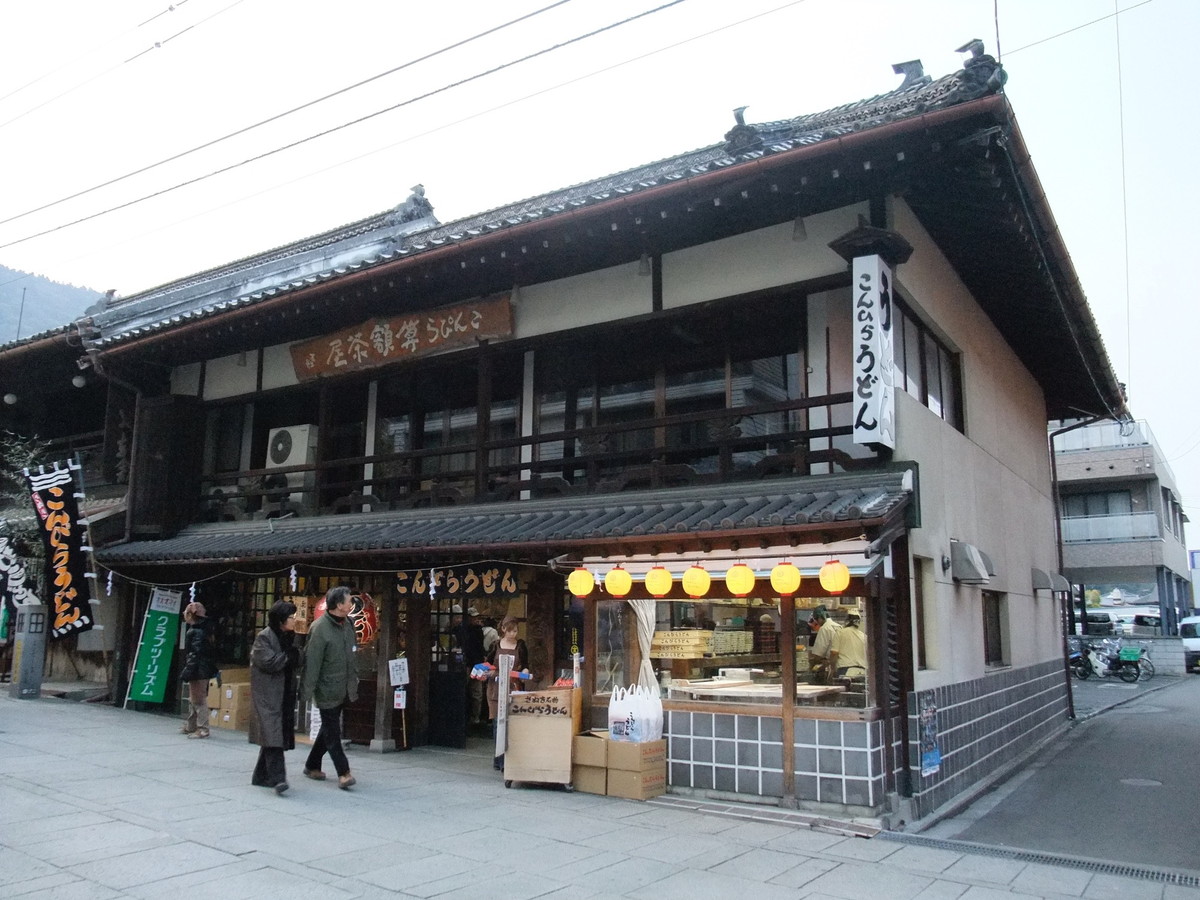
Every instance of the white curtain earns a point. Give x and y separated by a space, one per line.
644 610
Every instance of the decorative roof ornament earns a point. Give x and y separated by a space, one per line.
981 72
415 209
742 137
913 72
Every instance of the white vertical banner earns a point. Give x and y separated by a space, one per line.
874 389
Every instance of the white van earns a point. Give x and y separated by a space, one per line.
1189 633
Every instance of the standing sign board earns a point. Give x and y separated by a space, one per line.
160 628
29 653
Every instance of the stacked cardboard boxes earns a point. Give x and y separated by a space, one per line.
619 768
235 706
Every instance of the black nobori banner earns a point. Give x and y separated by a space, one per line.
54 501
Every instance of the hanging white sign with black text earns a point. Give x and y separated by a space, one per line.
874 404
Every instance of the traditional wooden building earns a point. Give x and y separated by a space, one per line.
838 336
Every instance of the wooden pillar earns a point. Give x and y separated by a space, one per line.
382 740
787 670
419 650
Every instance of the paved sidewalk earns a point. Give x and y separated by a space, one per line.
100 803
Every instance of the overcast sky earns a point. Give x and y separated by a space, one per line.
92 91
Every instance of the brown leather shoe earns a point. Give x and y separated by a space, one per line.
345 781
314 774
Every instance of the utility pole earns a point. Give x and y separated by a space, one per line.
20 315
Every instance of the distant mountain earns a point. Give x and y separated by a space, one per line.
47 304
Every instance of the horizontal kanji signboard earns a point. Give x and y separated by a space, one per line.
379 342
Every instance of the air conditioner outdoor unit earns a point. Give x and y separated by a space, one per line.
292 445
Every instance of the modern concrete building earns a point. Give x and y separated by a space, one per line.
1121 519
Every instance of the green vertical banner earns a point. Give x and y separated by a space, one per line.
160 629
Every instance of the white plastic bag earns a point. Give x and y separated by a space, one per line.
619 715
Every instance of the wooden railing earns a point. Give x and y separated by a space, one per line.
750 442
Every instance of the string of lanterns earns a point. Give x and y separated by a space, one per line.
696 581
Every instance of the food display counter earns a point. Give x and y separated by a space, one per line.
734 691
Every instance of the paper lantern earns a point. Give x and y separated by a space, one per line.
835 576
618 582
739 579
659 581
580 582
696 581
785 579
364 618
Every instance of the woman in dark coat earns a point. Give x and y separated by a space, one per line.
198 667
273 661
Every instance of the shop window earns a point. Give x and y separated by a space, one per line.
731 650
994 629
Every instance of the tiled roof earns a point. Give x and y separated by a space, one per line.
378 240
834 502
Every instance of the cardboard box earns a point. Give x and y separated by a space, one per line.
637 785
235 676
214 694
590 749
590 779
626 757
235 695
214 717
235 719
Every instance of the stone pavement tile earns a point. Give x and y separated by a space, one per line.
917 858
355 862
1179 892
251 884
974 867
942 890
756 865
17 866
625 837
564 824
577 871
152 865
697 850
1038 878
298 843
76 890
407 875
701 884
33 830
680 821
622 876
804 873
72 846
43 883
980 892
862 849
752 834
26 805
854 881
804 840
1117 887
361 891
489 884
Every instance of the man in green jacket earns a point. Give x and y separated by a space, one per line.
330 682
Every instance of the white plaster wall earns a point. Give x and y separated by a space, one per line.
225 377
989 487
278 370
589 299
756 260
185 380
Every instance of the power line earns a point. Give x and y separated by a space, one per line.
159 227
279 116
155 46
172 8
493 70
1078 27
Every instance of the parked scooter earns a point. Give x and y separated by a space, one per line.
1102 658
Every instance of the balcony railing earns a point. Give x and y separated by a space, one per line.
1127 527
711 446
1113 436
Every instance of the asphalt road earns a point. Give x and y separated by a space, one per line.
1120 787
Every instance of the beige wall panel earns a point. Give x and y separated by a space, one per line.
590 299
278 370
230 376
185 380
759 259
